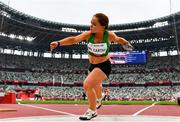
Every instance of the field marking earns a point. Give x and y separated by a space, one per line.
52 110
140 111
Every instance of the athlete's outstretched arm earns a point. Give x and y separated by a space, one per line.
125 44
70 40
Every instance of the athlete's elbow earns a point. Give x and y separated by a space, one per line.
76 40
72 39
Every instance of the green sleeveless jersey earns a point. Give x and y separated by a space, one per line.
99 49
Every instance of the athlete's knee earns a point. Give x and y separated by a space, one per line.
100 86
87 86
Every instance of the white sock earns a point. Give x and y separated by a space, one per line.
91 110
99 99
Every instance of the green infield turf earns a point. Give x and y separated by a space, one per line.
104 102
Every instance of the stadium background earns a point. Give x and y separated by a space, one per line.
27 63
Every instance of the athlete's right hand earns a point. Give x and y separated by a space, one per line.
128 47
53 45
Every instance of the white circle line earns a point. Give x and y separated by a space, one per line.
140 111
52 110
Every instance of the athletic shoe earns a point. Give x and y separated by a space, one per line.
99 101
88 115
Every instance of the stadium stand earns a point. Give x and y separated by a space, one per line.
61 78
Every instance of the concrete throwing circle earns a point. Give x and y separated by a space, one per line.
100 118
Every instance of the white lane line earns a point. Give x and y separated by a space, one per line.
61 112
138 112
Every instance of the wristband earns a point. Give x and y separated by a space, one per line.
58 43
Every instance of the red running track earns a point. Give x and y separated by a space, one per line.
28 111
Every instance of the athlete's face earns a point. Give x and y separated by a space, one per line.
96 26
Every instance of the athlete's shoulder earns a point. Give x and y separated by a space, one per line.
111 36
110 33
87 34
